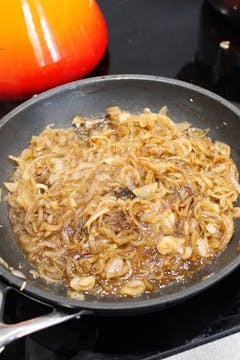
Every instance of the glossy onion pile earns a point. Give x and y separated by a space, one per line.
122 204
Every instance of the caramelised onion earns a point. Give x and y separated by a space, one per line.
227 228
170 245
114 267
133 288
58 164
187 253
163 111
18 273
75 295
53 178
11 186
124 116
203 247
49 227
183 126
25 199
146 191
212 228
167 221
82 283
95 216
236 212
122 204
233 178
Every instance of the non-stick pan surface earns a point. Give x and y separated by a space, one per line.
90 97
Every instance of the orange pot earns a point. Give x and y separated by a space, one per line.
44 43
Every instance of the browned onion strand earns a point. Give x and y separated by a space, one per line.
122 204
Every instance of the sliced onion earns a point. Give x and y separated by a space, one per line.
182 126
187 253
170 244
18 273
123 116
236 212
203 247
114 267
49 227
53 177
167 221
82 283
14 158
133 288
42 186
75 295
212 228
232 176
25 199
228 229
163 111
11 186
58 163
95 216
146 191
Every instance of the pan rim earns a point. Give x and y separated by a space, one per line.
137 304
155 78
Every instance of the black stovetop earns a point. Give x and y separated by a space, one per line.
179 39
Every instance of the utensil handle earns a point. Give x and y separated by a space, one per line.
12 332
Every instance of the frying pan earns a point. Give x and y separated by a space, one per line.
90 97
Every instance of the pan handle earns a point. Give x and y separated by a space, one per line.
12 332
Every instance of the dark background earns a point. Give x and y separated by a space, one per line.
156 37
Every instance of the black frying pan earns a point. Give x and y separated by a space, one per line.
90 97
